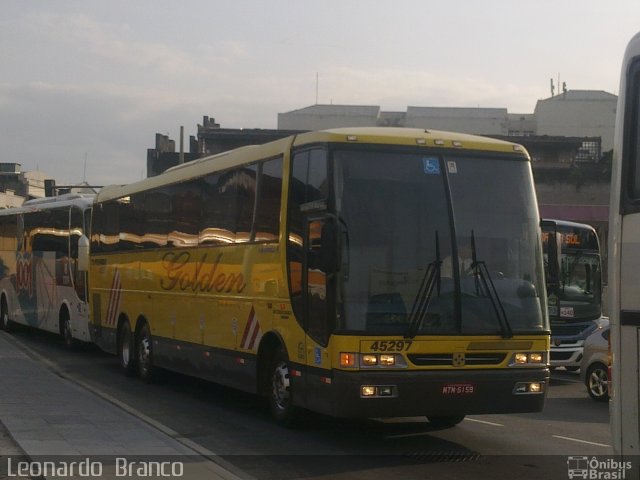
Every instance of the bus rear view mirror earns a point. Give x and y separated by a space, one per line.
83 254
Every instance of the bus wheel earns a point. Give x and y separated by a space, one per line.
145 354
125 349
445 421
5 323
65 331
597 382
280 394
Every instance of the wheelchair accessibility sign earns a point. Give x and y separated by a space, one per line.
431 165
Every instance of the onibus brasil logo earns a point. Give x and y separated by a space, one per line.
594 468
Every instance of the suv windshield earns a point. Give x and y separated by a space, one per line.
398 211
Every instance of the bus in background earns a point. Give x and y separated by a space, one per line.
574 288
624 260
41 284
311 270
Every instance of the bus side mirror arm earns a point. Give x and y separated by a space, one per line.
83 254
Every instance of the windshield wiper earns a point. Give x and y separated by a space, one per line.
482 275
421 303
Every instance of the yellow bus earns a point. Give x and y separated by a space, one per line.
325 272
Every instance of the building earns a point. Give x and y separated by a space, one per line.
584 113
211 139
16 186
574 113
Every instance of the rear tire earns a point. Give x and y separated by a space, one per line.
597 382
69 342
447 421
5 323
280 391
144 351
126 350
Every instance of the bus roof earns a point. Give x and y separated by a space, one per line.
414 137
81 201
567 223
409 137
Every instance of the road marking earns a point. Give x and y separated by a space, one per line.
484 422
581 441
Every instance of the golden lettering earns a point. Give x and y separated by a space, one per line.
205 278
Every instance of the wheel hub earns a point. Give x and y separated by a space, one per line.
281 385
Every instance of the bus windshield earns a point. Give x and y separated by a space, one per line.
406 214
579 287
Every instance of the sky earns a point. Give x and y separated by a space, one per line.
85 85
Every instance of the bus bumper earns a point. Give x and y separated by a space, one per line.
433 393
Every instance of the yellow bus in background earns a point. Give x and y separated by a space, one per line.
311 270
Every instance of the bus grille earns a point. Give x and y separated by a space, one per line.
567 330
435 359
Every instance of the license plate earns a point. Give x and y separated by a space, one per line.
458 389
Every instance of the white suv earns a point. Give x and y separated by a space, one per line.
595 364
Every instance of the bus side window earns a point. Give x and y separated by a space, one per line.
631 149
228 202
267 222
105 227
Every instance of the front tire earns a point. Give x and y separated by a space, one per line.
597 382
5 323
70 343
126 350
280 391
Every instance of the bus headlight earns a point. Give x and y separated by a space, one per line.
387 360
369 360
520 358
531 359
372 360
536 358
382 360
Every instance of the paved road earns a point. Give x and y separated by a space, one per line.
238 428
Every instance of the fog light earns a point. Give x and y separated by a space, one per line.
367 391
369 360
520 388
385 391
387 360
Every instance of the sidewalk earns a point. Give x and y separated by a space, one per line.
48 417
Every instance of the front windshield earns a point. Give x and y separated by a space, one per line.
579 290
578 295
395 210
